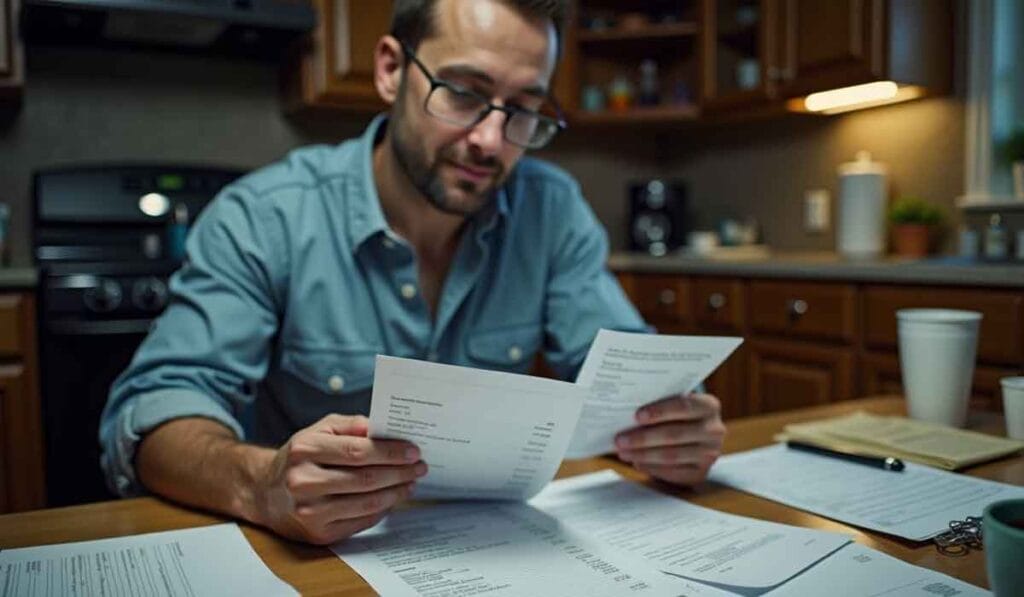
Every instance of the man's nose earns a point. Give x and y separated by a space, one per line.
489 134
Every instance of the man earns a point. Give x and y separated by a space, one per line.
427 238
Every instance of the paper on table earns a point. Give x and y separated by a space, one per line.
624 371
732 552
856 571
214 560
900 437
483 434
493 549
916 504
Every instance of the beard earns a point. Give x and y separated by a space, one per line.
467 198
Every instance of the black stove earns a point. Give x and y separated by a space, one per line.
106 242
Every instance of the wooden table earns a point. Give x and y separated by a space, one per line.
316 571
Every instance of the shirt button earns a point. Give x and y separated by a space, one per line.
388 243
515 353
408 291
336 383
122 483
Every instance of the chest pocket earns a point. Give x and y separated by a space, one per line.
332 371
511 347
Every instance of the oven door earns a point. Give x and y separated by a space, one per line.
79 361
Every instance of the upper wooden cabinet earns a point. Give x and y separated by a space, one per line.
839 43
12 63
335 69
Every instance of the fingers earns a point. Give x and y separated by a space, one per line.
308 480
680 407
710 431
336 517
347 450
677 475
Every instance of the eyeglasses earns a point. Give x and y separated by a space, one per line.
462 107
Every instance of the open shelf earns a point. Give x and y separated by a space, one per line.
648 32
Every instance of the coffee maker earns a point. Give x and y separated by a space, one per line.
657 216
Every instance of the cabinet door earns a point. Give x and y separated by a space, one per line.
830 44
337 71
11 55
21 461
788 375
817 310
738 44
880 374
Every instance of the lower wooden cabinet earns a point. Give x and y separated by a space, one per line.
810 342
21 438
880 374
785 375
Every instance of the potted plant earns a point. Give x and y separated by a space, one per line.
1013 147
913 221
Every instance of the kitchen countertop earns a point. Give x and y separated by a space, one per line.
953 271
18 278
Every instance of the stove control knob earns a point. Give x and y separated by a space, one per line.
104 297
149 294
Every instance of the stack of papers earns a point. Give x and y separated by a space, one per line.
917 503
502 436
599 535
917 441
214 560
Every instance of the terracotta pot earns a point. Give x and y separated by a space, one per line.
911 240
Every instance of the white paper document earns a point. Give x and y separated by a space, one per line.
214 560
483 434
916 504
858 571
733 553
493 549
624 371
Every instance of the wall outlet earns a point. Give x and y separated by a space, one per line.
817 210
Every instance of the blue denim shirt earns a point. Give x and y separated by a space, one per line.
294 282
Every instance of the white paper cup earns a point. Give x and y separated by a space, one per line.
937 349
1013 406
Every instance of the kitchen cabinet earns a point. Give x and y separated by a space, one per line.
738 42
334 71
839 43
21 445
719 309
12 61
810 342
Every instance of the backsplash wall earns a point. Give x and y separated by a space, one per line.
101 106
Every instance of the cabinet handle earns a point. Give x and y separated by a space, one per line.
716 301
796 308
667 297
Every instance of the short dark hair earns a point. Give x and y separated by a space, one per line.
413 20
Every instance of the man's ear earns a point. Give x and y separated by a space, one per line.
388 63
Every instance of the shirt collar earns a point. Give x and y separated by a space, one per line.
366 218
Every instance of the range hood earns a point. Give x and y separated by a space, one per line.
251 28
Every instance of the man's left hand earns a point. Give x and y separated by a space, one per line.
676 439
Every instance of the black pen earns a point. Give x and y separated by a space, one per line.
886 463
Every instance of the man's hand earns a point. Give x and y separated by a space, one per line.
330 481
677 439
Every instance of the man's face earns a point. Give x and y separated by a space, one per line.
486 47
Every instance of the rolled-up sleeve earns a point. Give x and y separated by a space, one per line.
209 349
583 296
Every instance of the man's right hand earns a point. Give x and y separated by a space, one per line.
330 481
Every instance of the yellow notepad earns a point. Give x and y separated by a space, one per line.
925 443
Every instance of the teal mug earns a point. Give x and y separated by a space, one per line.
1003 531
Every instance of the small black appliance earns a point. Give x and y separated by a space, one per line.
657 216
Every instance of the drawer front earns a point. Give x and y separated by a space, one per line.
12 318
1001 334
718 303
662 299
803 309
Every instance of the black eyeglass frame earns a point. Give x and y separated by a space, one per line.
559 121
